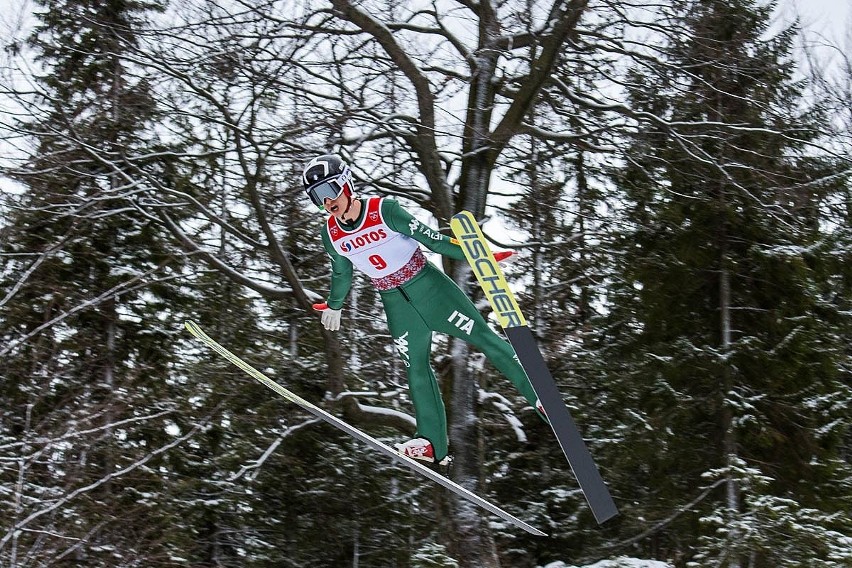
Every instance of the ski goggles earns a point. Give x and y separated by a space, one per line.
330 188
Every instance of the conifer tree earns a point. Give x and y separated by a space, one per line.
88 292
723 329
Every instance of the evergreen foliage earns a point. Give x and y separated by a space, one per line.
723 323
683 259
84 402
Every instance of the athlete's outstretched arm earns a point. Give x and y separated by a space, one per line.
341 275
403 222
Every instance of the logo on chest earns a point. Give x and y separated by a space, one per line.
363 239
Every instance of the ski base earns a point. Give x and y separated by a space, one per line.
563 424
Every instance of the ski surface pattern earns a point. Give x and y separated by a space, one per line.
508 313
423 470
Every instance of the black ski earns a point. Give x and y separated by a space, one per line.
506 308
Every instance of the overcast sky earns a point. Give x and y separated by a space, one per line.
824 21
830 17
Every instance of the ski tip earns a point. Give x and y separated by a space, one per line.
193 328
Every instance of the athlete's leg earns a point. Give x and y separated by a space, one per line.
413 341
451 312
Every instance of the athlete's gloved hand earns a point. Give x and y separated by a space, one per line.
502 255
330 318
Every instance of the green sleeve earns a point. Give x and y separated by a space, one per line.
341 274
403 222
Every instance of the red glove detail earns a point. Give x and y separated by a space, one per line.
502 255
320 307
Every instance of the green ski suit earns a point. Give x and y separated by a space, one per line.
418 299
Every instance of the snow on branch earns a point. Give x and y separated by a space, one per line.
255 466
21 525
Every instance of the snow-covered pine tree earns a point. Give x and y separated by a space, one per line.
726 328
83 366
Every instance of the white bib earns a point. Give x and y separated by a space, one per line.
374 248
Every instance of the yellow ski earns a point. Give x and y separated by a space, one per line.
358 434
508 313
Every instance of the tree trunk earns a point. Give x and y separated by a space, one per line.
729 442
471 543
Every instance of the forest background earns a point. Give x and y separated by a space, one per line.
673 175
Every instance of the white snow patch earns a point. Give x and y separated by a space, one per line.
621 562
387 412
504 406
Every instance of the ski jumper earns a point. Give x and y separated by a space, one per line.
384 243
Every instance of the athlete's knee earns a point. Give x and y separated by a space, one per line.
492 345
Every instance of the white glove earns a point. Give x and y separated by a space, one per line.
330 317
